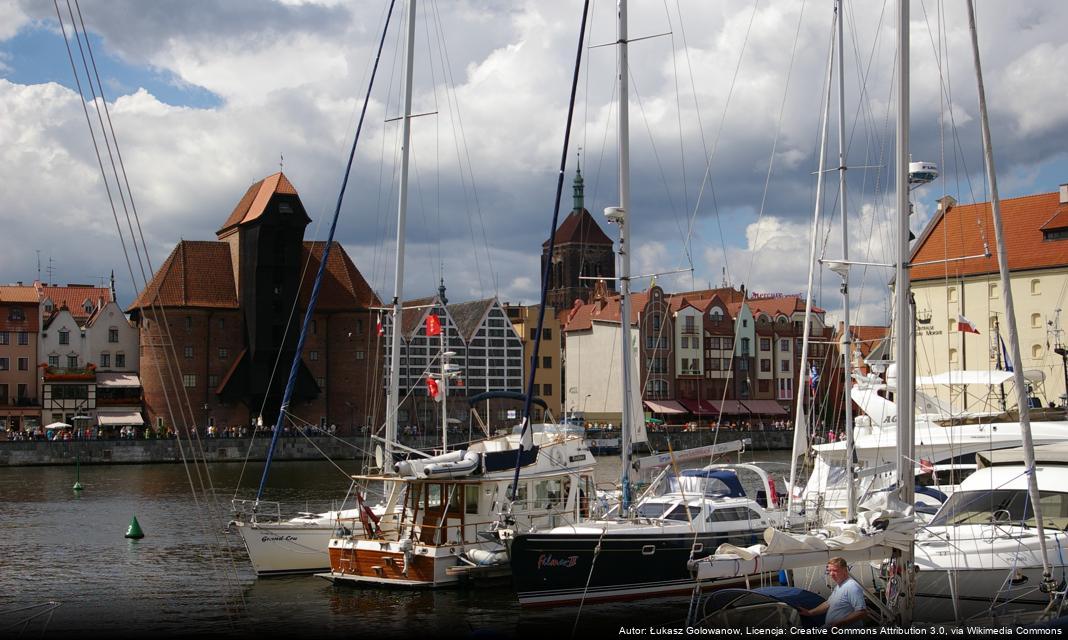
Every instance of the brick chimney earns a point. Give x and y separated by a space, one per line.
1064 193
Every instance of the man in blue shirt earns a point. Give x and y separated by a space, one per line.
845 607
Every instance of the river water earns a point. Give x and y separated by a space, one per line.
60 547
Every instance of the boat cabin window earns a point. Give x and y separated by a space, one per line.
433 495
548 493
652 509
1008 506
521 495
680 513
471 498
710 487
733 514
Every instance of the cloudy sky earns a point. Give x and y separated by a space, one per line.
207 97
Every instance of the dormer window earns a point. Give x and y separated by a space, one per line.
48 306
15 313
88 306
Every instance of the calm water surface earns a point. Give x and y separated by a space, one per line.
56 546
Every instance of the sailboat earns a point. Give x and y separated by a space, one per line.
987 549
277 545
437 524
641 550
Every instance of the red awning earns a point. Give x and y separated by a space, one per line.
765 407
700 407
729 407
664 406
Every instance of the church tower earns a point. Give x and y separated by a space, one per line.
581 249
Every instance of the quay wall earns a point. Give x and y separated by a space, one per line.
43 452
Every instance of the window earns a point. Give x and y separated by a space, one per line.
24 338
765 365
546 362
5 337
53 361
24 364
188 323
743 364
105 359
213 381
765 344
993 290
689 324
313 356
471 499
189 352
713 343
547 334
745 346
952 355
314 328
321 382
120 360
1036 320
786 388
15 313
546 389
360 355
533 334
72 362
4 364
189 380
536 390
784 345
1036 351
952 326
1036 287
224 353
784 366
23 392
113 334
951 294
64 336
685 342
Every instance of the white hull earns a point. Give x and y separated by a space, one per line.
282 548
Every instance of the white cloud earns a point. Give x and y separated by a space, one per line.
291 76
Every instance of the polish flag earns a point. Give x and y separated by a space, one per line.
432 389
926 466
433 325
381 331
965 325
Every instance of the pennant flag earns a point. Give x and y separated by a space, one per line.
965 325
814 377
433 325
381 331
432 389
926 466
1006 363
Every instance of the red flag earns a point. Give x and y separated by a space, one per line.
381 331
459 382
926 466
433 325
432 388
965 325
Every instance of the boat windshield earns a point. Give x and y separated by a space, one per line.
652 509
1008 506
710 487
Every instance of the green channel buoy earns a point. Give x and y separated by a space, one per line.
134 531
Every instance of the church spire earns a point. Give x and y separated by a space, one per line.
578 187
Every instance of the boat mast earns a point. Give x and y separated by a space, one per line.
800 422
1010 314
847 337
906 417
621 214
393 401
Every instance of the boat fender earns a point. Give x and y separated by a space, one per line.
485 557
406 546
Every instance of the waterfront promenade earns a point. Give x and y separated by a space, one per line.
125 451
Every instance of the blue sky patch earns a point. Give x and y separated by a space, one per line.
36 55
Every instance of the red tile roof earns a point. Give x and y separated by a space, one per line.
609 311
1059 219
18 293
73 296
867 337
343 287
579 226
198 273
774 307
255 200
962 230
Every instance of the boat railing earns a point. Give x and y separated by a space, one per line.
256 511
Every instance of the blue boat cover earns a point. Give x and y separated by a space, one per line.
726 476
792 596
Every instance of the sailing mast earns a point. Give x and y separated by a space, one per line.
1010 313
906 417
393 399
800 422
619 216
847 337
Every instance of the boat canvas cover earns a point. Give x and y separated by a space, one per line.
791 596
697 481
